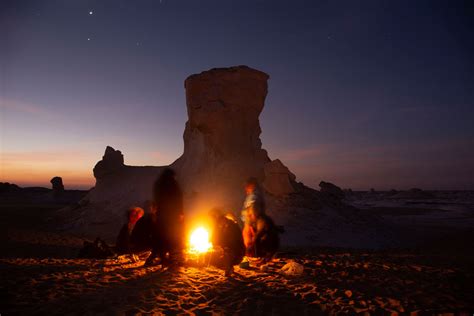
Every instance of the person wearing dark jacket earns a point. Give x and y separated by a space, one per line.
168 223
227 237
144 231
265 240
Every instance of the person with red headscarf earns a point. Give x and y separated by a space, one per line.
123 243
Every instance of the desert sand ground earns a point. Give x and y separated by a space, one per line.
41 275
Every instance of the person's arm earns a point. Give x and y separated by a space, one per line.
261 229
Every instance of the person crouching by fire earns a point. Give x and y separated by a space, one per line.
143 233
263 237
168 235
123 243
227 241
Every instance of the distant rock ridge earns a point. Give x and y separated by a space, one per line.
222 148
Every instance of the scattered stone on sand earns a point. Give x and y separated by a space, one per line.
292 268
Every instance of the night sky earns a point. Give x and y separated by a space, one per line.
362 93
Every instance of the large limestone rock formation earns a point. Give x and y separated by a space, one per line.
222 148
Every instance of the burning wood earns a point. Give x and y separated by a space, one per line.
199 241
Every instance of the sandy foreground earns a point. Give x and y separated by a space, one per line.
40 274
332 282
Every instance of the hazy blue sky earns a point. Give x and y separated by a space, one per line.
361 93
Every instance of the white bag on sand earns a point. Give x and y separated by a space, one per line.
292 268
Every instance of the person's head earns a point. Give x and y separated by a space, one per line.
134 214
251 185
218 218
216 213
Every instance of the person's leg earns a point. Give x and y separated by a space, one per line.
227 262
158 246
176 245
248 236
270 245
154 254
222 259
176 252
231 258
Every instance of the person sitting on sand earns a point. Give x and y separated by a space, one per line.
123 244
264 239
145 230
227 238
168 224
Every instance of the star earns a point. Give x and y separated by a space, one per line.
91 12
88 38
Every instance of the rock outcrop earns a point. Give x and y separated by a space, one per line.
111 163
278 179
331 190
6 187
57 186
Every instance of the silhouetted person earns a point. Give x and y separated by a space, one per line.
168 223
227 236
144 231
124 243
265 239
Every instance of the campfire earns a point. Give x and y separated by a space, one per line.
199 241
